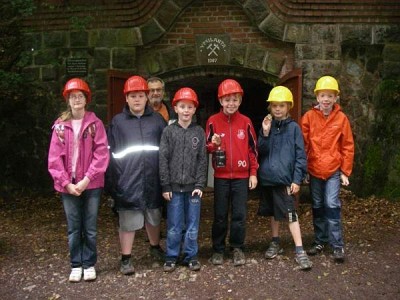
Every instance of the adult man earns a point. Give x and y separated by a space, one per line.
156 99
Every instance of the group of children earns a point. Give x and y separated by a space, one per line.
150 160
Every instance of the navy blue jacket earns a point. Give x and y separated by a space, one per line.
133 178
282 156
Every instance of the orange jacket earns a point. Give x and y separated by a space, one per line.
328 142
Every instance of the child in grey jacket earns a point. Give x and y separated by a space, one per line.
183 168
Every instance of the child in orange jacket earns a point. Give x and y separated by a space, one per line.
329 146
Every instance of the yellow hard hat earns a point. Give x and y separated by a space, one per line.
281 94
327 83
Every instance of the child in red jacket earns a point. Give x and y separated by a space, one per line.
232 141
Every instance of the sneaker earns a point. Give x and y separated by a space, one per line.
338 255
126 267
194 265
303 261
157 253
89 274
273 250
169 266
315 249
238 257
76 275
217 259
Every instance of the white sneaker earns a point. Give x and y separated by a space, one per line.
89 274
76 275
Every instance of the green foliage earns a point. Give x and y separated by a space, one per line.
381 172
80 23
27 110
26 114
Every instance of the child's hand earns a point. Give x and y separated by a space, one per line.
71 188
82 185
294 188
216 139
167 196
306 179
198 192
253 182
344 179
266 124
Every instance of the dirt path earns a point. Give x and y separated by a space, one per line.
34 258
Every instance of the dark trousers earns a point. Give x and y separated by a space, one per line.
229 194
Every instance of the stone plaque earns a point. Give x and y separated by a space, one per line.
212 49
77 66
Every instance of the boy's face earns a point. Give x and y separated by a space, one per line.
326 99
136 101
185 110
279 110
230 103
77 100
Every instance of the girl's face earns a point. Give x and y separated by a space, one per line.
185 110
230 103
137 102
77 100
279 110
326 99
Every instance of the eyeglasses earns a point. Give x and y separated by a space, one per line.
76 97
156 90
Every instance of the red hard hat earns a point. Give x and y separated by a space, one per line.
229 86
185 94
77 84
135 84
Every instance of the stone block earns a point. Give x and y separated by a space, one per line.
390 69
324 34
355 34
256 57
167 13
188 55
123 58
102 38
257 9
54 39
273 27
128 37
391 52
297 33
46 57
151 31
171 59
32 41
49 73
386 34
274 63
79 39
238 54
102 58
151 63
307 51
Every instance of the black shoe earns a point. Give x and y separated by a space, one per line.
157 252
315 249
169 266
194 265
338 255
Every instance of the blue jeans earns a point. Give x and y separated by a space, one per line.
183 215
327 210
229 194
81 212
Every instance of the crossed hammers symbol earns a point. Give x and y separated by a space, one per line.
213 47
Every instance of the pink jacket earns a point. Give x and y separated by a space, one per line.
93 154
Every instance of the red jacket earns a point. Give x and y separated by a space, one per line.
239 141
328 142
